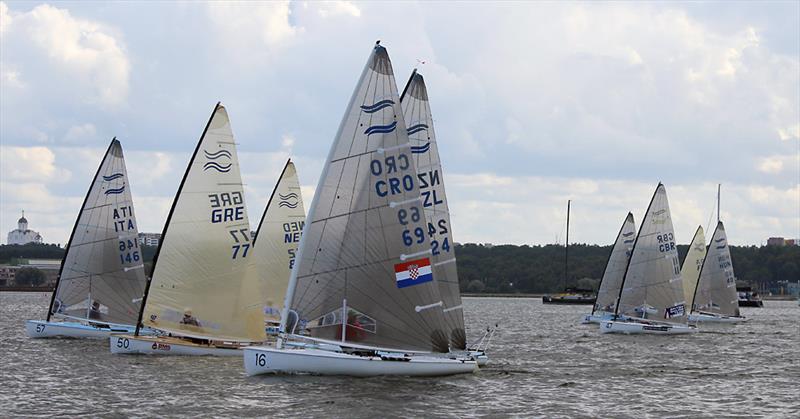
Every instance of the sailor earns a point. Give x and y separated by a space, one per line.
94 311
188 319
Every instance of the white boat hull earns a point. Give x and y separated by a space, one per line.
266 360
160 345
636 328
480 357
43 329
715 318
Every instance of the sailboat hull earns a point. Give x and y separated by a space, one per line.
160 345
715 318
38 329
266 360
638 328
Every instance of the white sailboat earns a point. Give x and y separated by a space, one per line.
425 152
102 278
651 299
715 297
275 245
608 292
690 270
204 296
362 298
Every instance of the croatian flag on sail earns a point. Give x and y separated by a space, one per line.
413 272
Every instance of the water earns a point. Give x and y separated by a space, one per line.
543 364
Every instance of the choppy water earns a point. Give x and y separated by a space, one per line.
543 364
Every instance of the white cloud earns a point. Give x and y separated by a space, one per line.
85 52
251 27
336 8
5 17
84 133
24 164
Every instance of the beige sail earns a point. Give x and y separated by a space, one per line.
690 271
277 238
204 281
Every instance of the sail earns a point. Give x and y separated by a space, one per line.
365 255
716 290
102 274
615 268
652 286
690 271
277 238
419 123
204 282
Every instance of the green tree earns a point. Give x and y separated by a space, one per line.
32 277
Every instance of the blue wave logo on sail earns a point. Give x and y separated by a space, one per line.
416 128
115 191
109 178
221 167
218 154
375 107
381 129
290 200
419 149
720 244
628 234
628 241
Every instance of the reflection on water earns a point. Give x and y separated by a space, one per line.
543 364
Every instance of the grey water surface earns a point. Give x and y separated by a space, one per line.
544 364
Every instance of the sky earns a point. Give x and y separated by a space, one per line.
534 104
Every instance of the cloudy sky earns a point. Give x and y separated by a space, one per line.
534 104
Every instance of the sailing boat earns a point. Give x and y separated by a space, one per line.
715 297
102 279
570 295
362 298
612 276
690 270
204 295
425 153
276 241
651 297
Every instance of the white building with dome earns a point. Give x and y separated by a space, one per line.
22 235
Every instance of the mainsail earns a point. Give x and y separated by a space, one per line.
277 238
204 284
102 274
652 288
690 271
716 289
419 123
365 257
615 268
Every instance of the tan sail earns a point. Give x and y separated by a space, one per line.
690 271
204 281
277 238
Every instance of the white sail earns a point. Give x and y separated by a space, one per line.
204 283
716 290
424 149
652 287
364 259
277 238
690 271
608 292
102 275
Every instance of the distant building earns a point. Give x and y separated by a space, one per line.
50 268
22 235
776 241
149 239
792 242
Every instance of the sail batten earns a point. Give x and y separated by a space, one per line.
652 287
350 283
205 283
94 281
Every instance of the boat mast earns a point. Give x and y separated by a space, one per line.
169 217
75 227
633 249
566 249
719 186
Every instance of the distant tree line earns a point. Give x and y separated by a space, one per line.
533 269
